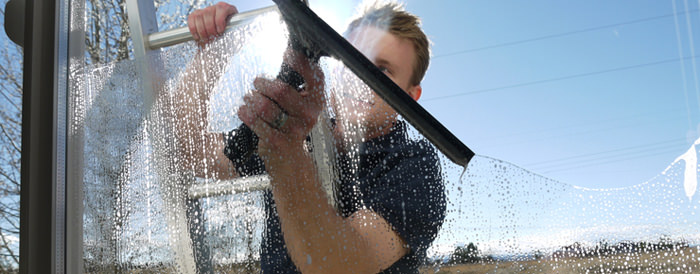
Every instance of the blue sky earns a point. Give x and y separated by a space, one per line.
600 108
589 93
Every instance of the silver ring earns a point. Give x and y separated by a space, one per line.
280 120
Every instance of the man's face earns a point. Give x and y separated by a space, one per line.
395 57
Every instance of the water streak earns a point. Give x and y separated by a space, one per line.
507 212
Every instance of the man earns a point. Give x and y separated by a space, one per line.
391 201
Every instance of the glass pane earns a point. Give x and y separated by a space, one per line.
585 116
173 14
11 60
136 205
536 90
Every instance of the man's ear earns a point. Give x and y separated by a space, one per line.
415 92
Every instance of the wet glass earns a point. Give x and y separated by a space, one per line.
149 207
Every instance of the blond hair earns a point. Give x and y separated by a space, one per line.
392 17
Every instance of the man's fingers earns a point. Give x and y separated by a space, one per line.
201 29
220 21
283 94
192 25
209 24
299 62
302 105
262 107
224 11
262 129
312 73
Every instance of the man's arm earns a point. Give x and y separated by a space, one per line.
202 151
318 239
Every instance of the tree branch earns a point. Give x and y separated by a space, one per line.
14 145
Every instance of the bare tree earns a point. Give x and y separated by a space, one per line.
106 31
10 149
107 40
107 28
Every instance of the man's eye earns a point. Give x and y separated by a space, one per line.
384 69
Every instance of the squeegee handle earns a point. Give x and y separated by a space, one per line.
244 142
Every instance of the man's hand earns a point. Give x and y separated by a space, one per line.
272 97
210 22
311 228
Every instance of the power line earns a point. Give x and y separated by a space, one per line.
563 34
626 151
669 148
560 78
618 159
584 132
608 120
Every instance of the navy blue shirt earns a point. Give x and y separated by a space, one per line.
394 176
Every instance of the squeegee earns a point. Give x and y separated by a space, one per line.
311 35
